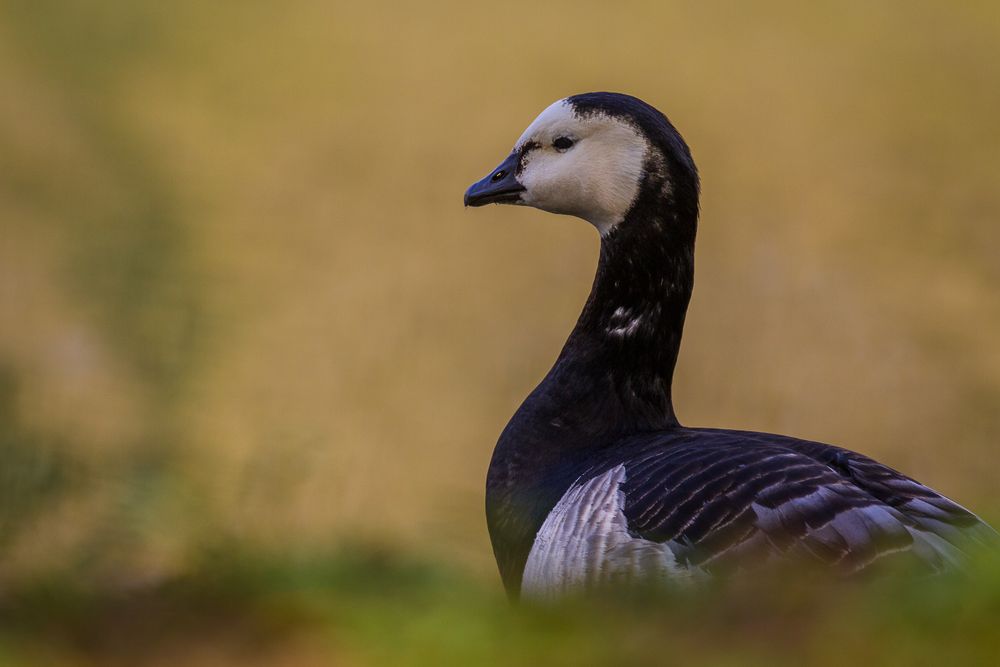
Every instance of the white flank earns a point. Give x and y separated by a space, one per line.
584 542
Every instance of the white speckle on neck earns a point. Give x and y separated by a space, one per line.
628 329
623 323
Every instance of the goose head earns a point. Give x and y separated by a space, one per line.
596 156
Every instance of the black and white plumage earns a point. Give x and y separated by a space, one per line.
594 480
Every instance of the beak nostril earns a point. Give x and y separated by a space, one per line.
497 176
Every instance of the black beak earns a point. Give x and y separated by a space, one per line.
499 187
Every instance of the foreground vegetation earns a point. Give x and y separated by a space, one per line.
371 607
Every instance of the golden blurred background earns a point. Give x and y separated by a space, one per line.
242 303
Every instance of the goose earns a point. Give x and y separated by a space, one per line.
594 481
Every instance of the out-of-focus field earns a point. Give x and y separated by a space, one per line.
254 355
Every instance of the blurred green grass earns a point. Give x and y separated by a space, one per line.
363 605
242 305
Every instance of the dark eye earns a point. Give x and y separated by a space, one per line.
562 143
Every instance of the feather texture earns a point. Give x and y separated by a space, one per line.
700 502
594 480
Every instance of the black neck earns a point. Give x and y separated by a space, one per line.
621 355
613 377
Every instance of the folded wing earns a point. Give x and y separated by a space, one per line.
719 501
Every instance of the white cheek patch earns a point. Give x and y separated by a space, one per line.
598 179
556 115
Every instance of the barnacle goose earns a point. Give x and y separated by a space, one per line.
594 480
